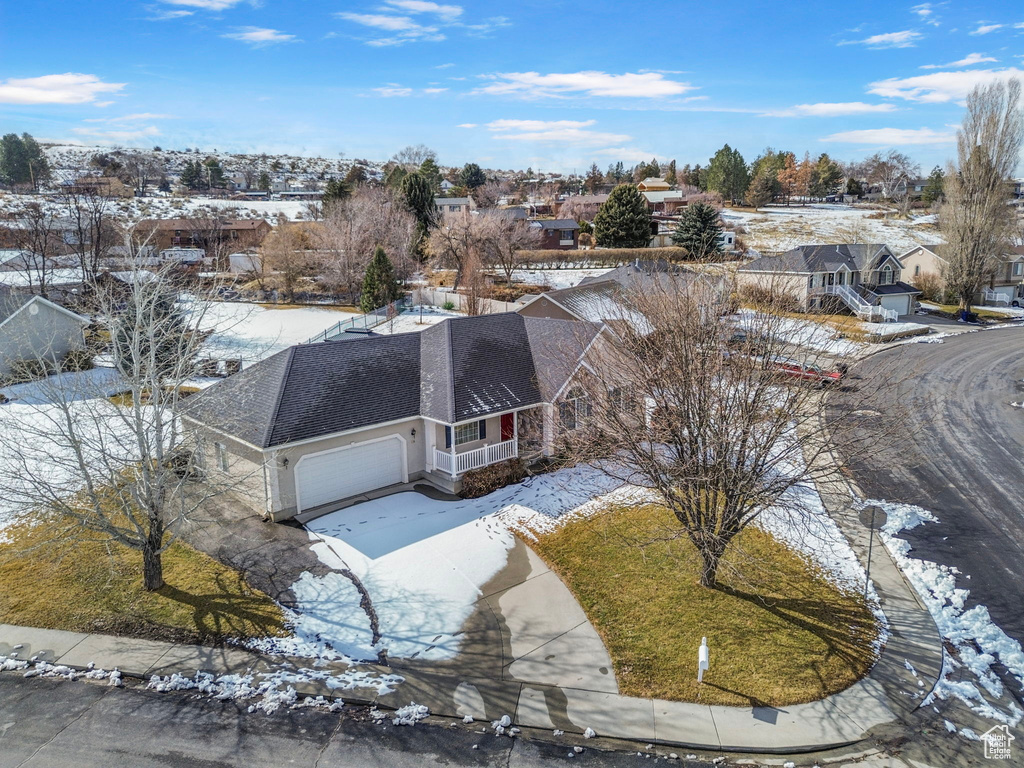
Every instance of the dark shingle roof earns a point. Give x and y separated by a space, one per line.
557 223
459 369
857 257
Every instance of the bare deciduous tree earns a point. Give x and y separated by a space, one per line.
890 171
502 240
92 227
289 253
702 415
139 170
413 156
454 244
40 241
123 470
352 229
489 193
976 219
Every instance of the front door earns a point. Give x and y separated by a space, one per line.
508 426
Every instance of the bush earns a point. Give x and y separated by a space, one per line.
448 305
761 296
77 360
932 288
604 257
23 371
480 482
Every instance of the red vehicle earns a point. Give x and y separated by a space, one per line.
806 371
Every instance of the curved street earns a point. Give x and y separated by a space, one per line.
960 456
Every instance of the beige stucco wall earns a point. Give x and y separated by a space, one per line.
282 479
49 334
246 475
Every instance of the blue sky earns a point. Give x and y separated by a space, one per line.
552 85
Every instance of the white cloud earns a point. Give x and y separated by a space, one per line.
407 30
926 13
831 109
434 90
967 61
444 66
466 125
590 83
627 154
131 118
206 5
68 88
118 136
562 131
389 91
940 87
984 29
259 37
167 15
892 136
420 6
904 39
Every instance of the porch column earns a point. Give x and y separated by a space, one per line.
455 467
548 431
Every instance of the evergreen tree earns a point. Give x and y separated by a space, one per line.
192 175
698 231
933 190
471 176
394 176
356 175
334 192
826 177
670 174
594 179
213 174
432 174
624 221
763 189
727 174
419 198
380 287
264 181
22 161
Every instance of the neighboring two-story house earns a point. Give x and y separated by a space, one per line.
1005 285
866 279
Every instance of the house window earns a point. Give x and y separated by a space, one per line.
1018 268
841 278
574 410
467 433
221 453
885 276
810 283
917 270
566 234
453 208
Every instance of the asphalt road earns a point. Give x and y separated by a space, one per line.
961 456
46 723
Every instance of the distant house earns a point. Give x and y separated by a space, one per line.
1005 284
324 423
558 234
654 184
862 278
207 233
446 186
669 201
583 206
103 186
32 328
454 206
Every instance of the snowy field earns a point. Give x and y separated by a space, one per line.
779 229
801 333
255 331
414 320
556 278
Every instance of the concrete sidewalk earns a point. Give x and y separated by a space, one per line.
530 653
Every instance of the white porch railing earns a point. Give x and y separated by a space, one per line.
860 306
995 297
459 463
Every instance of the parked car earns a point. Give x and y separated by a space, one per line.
807 371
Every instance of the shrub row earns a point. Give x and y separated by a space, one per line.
480 482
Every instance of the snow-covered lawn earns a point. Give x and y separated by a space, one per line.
1001 310
968 630
415 319
780 228
802 333
556 278
255 331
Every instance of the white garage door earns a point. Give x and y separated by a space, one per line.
900 303
334 475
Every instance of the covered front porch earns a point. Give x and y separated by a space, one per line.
455 449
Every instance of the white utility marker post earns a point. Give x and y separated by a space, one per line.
702 659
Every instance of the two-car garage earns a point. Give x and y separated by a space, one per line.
351 470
